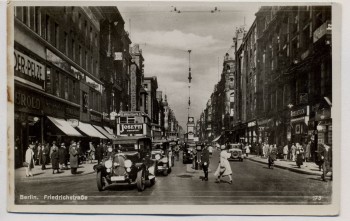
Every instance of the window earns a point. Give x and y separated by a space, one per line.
86 60
19 12
91 36
91 68
323 78
62 85
79 21
80 56
38 20
31 17
96 39
47 28
48 80
66 88
25 15
57 34
66 43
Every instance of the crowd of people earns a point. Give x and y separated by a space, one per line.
62 157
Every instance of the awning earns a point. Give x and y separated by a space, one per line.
104 132
216 139
89 130
109 130
65 127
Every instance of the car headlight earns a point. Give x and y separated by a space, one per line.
127 163
157 157
109 149
108 164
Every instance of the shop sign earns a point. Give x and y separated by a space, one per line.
130 114
300 112
27 100
29 70
252 124
131 129
118 56
73 112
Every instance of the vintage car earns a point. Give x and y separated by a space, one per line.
188 153
129 162
235 151
160 155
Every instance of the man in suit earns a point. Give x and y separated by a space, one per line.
205 161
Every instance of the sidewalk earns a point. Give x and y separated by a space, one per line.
307 168
84 169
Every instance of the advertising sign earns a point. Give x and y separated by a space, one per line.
127 129
29 71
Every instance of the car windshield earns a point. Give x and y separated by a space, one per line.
127 147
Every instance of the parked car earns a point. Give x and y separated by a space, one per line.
129 162
159 155
236 152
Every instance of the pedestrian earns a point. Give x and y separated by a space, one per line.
55 158
73 159
224 168
299 155
91 152
285 152
247 150
293 149
99 153
210 149
43 155
308 152
29 163
205 161
62 156
80 152
326 156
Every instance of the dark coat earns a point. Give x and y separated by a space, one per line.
62 153
205 156
44 154
55 159
73 159
99 152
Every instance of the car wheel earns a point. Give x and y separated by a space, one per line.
100 183
140 180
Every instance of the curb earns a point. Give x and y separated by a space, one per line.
53 177
287 168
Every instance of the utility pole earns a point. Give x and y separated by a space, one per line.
189 81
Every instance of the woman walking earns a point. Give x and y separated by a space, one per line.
29 163
224 168
73 159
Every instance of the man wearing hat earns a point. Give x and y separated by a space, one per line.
62 156
205 161
73 159
55 158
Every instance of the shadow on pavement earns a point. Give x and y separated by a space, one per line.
115 187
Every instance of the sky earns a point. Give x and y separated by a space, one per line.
165 36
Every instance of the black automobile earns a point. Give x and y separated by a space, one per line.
160 156
188 154
129 162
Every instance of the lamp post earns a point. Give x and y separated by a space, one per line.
189 81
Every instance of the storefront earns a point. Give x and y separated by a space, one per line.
264 130
252 135
299 124
324 126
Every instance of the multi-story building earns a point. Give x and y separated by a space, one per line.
295 74
136 78
56 74
246 72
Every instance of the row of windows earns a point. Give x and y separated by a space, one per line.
45 26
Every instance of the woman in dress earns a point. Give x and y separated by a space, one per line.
29 160
224 168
